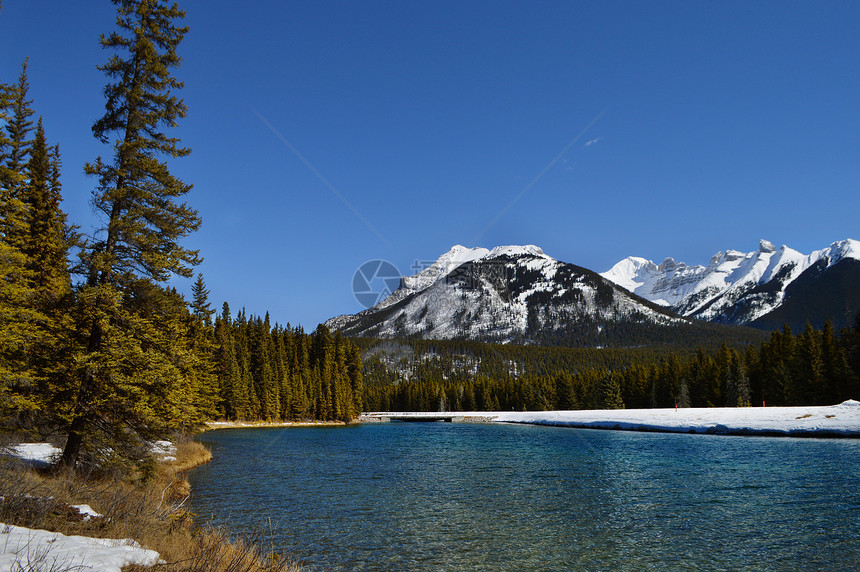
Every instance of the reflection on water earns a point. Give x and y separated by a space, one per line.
403 496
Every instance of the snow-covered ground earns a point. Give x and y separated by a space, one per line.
28 549
39 454
45 454
835 420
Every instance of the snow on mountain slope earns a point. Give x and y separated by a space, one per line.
509 293
446 263
734 288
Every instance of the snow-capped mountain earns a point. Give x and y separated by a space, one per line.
510 294
747 288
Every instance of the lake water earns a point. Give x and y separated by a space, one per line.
442 496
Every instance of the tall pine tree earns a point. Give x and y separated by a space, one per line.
122 384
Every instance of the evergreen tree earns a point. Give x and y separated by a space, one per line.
14 116
142 225
852 349
809 367
47 233
740 382
6 176
19 125
21 329
609 392
203 358
683 398
282 376
835 370
46 244
200 307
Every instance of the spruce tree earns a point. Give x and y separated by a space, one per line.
835 367
121 373
200 307
19 125
609 392
740 382
15 113
355 369
852 344
47 240
810 367
5 148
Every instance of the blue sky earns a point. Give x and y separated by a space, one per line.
690 127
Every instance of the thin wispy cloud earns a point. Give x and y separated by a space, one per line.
592 142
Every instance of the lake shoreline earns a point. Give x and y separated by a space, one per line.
212 425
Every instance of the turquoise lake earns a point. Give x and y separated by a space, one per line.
443 496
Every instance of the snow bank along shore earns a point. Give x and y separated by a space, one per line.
841 420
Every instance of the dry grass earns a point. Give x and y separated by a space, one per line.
189 454
148 507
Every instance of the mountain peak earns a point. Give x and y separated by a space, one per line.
457 255
668 264
847 248
766 246
514 251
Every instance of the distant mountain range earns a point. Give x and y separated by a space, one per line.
765 288
518 294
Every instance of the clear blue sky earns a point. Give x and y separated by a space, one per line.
717 124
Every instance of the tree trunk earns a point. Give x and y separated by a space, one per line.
75 440
73 444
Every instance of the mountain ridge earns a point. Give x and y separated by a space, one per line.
739 288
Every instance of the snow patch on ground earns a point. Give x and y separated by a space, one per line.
29 549
86 510
38 454
163 450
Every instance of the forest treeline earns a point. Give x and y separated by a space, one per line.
279 373
815 367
